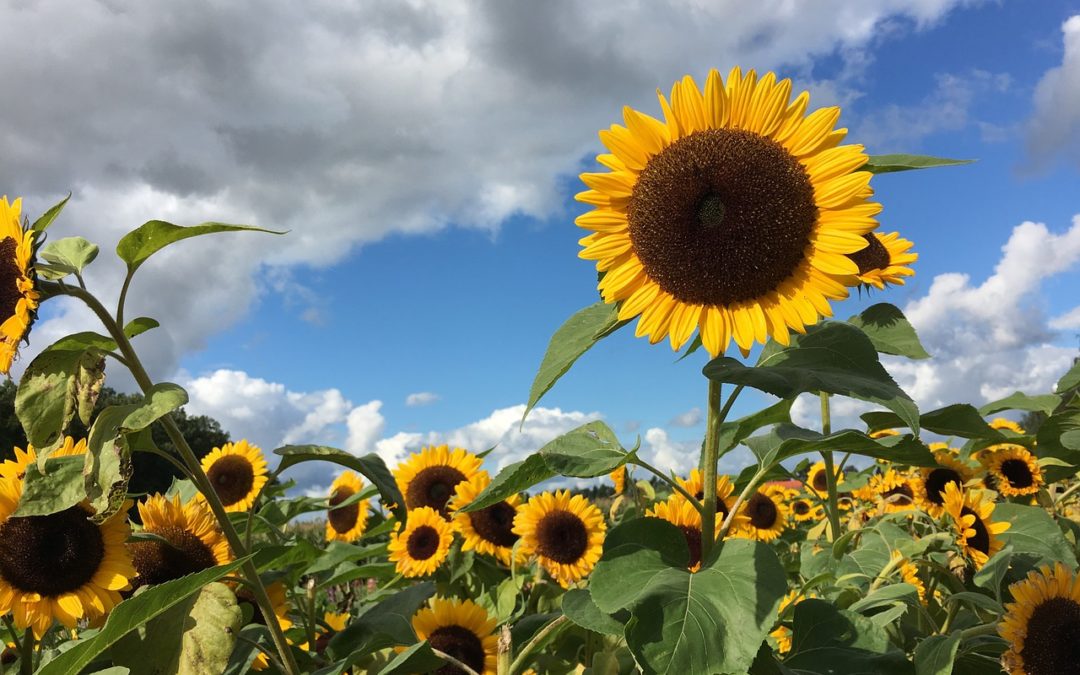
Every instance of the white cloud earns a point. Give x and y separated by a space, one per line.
681 456
421 398
1054 128
690 418
1068 321
366 425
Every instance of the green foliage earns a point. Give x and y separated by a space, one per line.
889 331
848 642
959 419
904 162
57 489
370 466
136 246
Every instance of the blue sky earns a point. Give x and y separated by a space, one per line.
457 291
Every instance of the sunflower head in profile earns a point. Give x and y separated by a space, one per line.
193 541
725 494
931 481
16 468
894 490
564 531
461 629
766 515
1005 424
62 566
817 479
618 477
19 297
348 522
971 516
885 260
684 516
429 477
1042 624
734 216
238 473
423 544
488 531
1015 471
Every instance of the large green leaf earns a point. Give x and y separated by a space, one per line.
1059 437
959 419
636 554
935 654
150 237
905 162
1069 380
69 255
575 337
371 466
889 330
788 440
1033 534
841 642
418 658
386 624
578 606
1021 401
586 452
131 614
513 479
60 488
833 357
735 432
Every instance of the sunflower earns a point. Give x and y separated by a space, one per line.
565 532
817 479
1001 423
734 216
684 516
20 301
802 509
193 540
782 634
1014 469
909 572
618 476
845 502
1042 624
766 515
895 491
725 493
62 565
428 478
976 533
488 531
16 468
883 433
931 481
462 629
424 543
237 471
885 260
346 523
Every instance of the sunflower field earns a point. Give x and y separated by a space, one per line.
922 542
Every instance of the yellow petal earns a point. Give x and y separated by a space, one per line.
715 100
615 183
689 106
813 130
648 131
619 140
842 190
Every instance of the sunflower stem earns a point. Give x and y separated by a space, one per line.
202 482
711 456
505 651
833 508
976 631
536 643
26 656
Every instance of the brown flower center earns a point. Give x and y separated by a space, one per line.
462 644
820 481
562 537
343 518
801 507
423 542
51 554
1052 644
980 541
901 495
232 477
1018 473
874 257
495 524
721 216
936 481
433 486
158 562
10 273
693 542
721 507
762 511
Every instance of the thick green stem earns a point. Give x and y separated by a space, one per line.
26 656
975 631
536 643
830 471
504 651
708 469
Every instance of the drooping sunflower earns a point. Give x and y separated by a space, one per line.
346 523
61 566
734 216
817 477
564 531
725 494
766 515
885 260
489 531
194 540
1042 623
238 473
423 544
19 299
461 629
845 502
684 516
931 481
895 491
16 468
976 533
429 478
1014 469
618 477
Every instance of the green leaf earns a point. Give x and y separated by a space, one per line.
586 452
89 379
636 554
1021 401
575 337
788 440
846 642
150 237
1059 438
386 624
62 257
513 479
133 613
47 218
905 162
1033 534
733 433
1069 380
419 658
59 489
889 331
579 607
139 325
976 600
959 419
935 654
993 571
887 595
833 357
370 466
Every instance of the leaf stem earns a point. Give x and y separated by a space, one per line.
637 461
464 667
742 498
833 508
537 642
976 631
26 656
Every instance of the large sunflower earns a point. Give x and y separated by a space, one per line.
895 491
565 532
885 260
193 540
346 523
461 629
766 515
817 477
684 516
1042 625
19 299
725 494
423 544
490 531
1014 469
429 478
931 481
734 216
976 533
62 566
238 473
16 468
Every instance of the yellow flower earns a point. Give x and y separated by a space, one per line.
1001 423
782 634
195 540
725 494
429 478
734 216
566 533
19 302
817 477
424 543
766 515
276 592
931 481
1015 471
976 533
238 473
461 629
618 476
895 491
489 531
346 523
909 572
885 260
1042 623
16 468
684 516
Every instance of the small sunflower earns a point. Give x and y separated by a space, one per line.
16 468
817 479
976 533
1014 469
489 531
346 523
885 260
424 543
238 473
734 216
725 492
462 629
1001 423
931 481
618 477
429 478
895 491
61 566
684 516
909 572
278 599
19 302
802 509
565 532
1042 624
845 502
194 540
766 515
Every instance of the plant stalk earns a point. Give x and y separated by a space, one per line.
536 643
505 652
708 469
26 655
830 471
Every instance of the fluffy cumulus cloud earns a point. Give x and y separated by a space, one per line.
421 398
1054 129
668 454
344 122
